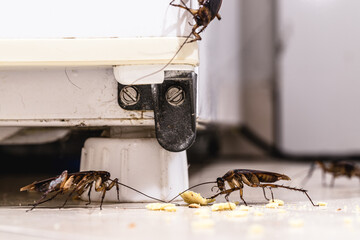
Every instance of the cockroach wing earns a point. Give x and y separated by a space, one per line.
214 6
263 176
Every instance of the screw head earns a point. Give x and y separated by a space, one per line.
175 95
129 95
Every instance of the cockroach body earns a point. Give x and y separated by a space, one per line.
336 168
76 183
208 10
253 178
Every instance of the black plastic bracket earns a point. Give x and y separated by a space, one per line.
174 106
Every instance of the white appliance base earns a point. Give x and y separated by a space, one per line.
140 163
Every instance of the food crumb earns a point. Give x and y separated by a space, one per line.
193 197
258 213
272 205
281 211
256 229
223 206
170 209
278 201
237 214
322 204
194 205
203 213
348 220
203 224
244 208
339 209
161 206
297 223
132 225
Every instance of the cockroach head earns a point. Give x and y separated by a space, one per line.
106 175
220 183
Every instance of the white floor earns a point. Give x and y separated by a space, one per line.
298 219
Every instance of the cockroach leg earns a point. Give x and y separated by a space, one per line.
265 194
272 194
89 192
117 188
43 201
241 196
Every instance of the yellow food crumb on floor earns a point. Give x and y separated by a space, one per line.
281 211
258 213
278 201
237 214
202 213
348 220
322 204
244 208
169 207
357 208
193 197
194 205
256 229
223 206
296 223
272 205
203 224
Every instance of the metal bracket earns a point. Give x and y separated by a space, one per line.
174 105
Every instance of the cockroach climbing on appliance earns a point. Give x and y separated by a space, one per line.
207 11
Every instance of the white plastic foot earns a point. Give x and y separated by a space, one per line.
140 163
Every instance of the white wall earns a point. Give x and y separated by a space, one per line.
319 74
220 67
258 67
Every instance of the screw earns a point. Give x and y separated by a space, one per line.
175 96
129 95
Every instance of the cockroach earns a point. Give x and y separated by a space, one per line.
207 11
336 168
253 178
76 183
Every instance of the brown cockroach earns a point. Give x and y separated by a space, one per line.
253 178
207 11
336 168
76 183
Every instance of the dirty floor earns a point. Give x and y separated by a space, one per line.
297 219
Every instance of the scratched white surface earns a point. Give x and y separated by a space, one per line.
341 218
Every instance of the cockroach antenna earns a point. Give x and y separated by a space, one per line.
207 11
124 185
166 65
204 183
